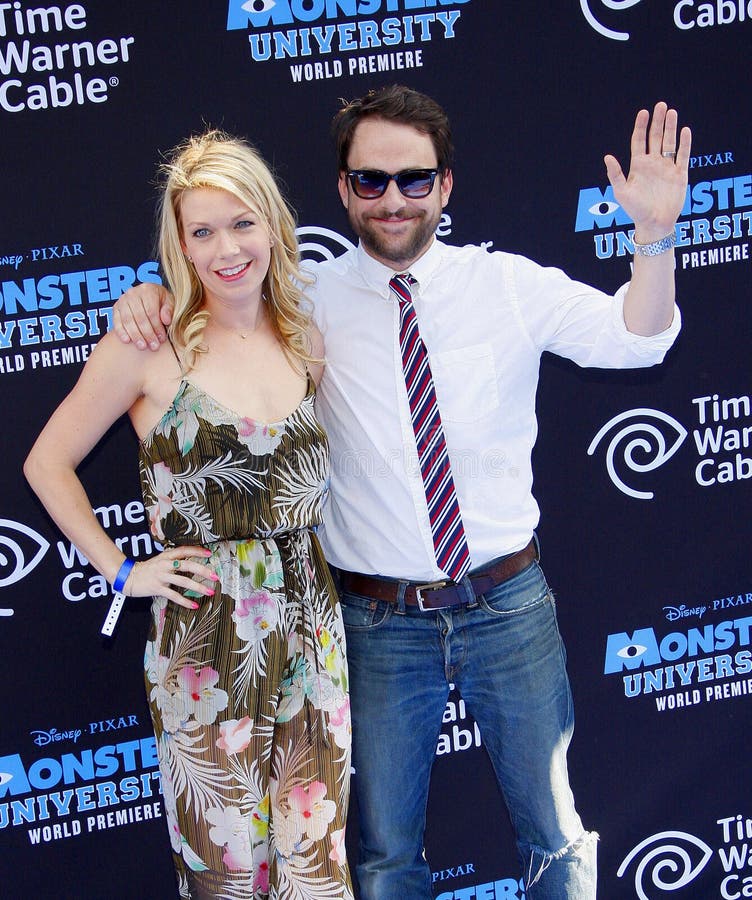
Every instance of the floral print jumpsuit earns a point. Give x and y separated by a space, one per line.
248 693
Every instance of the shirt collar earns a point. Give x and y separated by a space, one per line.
377 275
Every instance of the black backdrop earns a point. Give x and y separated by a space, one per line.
645 538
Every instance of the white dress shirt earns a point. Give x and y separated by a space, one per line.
485 319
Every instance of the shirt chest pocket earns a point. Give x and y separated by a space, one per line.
466 383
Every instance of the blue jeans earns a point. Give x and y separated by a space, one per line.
506 657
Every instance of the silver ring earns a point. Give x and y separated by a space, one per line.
669 153
176 564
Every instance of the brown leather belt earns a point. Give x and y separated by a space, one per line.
440 594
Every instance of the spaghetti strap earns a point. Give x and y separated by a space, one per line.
175 354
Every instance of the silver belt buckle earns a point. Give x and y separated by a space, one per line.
431 586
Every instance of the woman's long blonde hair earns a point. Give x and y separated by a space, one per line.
218 160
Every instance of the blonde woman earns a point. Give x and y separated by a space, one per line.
244 665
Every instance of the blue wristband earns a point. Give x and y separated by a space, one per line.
122 576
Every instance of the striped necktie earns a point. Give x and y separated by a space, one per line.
450 544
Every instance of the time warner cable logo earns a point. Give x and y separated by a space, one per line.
317 243
642 440
21 550
687 14
601 29
667 854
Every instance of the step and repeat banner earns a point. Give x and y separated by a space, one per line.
643 477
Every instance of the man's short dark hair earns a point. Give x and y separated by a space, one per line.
395 103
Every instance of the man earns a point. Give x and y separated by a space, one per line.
431 518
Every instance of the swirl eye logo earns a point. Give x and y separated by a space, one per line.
244 13
258 6
601 29
21 550
642 436
631 651
318 243
667 861
603 208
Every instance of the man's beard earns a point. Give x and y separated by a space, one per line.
398 250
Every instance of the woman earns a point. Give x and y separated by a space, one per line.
244 665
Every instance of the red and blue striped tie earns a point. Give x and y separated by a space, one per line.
450 544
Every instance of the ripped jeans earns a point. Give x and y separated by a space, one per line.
507 659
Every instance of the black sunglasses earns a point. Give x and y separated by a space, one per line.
369 184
